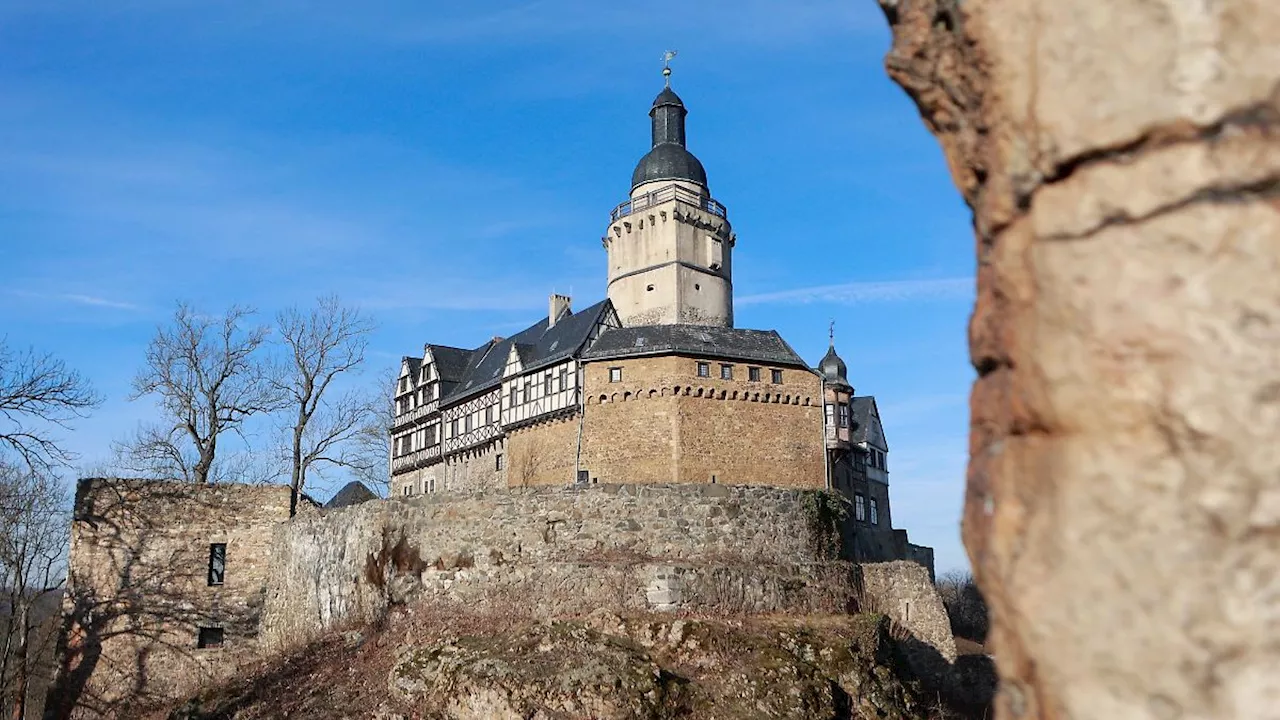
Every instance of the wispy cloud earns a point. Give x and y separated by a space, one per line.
856 293
77 299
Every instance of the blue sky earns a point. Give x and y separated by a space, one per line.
447 165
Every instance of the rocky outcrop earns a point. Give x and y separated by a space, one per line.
445 663
1122 160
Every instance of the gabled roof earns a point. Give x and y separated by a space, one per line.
538 346
867 416
451 362
764 346
414 364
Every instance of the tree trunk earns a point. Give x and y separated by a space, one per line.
1122 158
22 662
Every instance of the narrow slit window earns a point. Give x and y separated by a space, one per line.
217 563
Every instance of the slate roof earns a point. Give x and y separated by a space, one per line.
353 493
863 409
414 365
451 365
538 346
764 346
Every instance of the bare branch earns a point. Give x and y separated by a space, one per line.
37 393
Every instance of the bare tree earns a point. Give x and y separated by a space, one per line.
322 345
209 378
965 605
33 542
373 442
38 391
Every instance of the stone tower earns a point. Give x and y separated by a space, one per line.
670 246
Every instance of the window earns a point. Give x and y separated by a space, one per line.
209 637
488 414
467 424
453 428
704 369
777 376
753 374
432 430
546 384
875 512
615 374
860 507
217 563
831 412
431 485
497 461
564 378
844 415
726 372
407 488
584 476
528 389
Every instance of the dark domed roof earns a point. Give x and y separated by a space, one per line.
669 161
833 370
668 97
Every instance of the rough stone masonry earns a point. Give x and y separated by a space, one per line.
142 600
1122 159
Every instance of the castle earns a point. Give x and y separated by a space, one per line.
654 384
641 455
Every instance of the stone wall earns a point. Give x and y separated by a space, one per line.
564 552
1122 158
679 427
543 453
138 587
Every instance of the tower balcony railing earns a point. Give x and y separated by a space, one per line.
666 194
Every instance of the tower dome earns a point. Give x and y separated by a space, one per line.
834 372
669 159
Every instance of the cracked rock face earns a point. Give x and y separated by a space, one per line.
1122 160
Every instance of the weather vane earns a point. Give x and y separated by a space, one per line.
831 332
666 65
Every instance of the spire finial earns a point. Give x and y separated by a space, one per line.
831 333
667 57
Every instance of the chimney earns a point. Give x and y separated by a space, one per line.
559 305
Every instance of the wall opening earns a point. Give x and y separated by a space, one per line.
209 637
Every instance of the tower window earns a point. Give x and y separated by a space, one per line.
726 372
875 512
860 507
497 461
844 415
753 374
217 563
209 637
615 374
704 369
777 376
